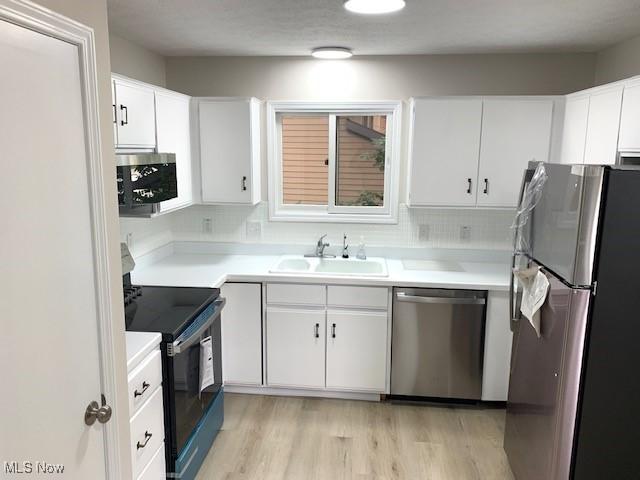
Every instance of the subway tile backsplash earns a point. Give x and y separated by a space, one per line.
423 227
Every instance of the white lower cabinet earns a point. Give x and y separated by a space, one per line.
327 337
295 347
356 350
242 334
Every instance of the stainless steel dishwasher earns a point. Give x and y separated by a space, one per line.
438 343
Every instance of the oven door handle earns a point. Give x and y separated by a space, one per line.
193 333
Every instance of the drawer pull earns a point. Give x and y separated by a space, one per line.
136 393
147 437
316 331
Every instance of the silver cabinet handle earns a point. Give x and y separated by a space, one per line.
333 330
243 185
470 184
403 297
147 437
316 330
486 186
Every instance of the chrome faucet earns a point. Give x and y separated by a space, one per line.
320 246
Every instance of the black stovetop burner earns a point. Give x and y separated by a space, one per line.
167 310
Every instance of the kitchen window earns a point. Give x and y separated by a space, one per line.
334 162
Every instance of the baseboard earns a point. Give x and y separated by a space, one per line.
294 392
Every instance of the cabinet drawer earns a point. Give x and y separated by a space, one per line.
147 432
295 294
155 470
143 380
364 297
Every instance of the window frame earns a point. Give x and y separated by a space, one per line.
278 211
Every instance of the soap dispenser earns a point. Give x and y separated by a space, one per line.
361 255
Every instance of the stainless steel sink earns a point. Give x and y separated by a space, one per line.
371 267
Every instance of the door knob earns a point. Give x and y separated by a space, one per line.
96 412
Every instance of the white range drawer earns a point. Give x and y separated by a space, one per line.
155 470
143 380
296 294
365 297
147 432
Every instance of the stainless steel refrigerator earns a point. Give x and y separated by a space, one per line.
573 410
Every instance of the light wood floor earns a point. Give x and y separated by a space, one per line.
302 439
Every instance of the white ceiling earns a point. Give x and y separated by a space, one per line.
294 27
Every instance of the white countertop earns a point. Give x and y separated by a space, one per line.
139 345
213 270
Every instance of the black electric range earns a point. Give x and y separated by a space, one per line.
185 317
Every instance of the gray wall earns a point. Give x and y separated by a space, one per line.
619 61
132 60
93 13
384 77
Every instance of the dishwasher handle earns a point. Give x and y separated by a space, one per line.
403 297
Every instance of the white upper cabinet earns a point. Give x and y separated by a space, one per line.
230 150
603 125
630 119
174 136
574 134
514 132
135 115
445 141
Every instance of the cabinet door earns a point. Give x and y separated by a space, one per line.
630 119
514 132
295 347
174 136
497 348
135 109
445 142
601 146
356 350
242 334
574 133
229 151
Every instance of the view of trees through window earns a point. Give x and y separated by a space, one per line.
360 159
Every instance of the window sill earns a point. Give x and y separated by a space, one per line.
323 217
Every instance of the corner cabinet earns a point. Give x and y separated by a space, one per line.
134 115
229 131
471 151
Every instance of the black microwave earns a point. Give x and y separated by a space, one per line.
144 180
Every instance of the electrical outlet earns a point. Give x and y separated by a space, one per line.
207 225
130 240
423 233
254 230
465 233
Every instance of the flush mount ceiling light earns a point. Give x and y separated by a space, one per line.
331 53
374 6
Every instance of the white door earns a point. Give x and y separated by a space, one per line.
445 144
226 151
242 334
295 347
630 119
514 132
174 136
356 350
601 146
49 345
574 133
135 111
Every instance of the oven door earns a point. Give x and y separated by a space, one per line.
188 402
